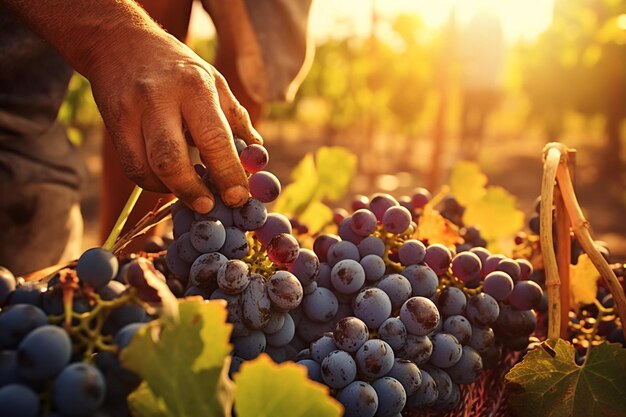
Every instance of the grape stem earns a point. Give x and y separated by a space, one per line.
552 157
146 223
121 220
580 227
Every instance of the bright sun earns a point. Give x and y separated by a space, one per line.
521 19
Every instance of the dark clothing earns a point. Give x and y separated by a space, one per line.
40 170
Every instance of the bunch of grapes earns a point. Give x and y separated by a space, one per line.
59 342
248 258
396 325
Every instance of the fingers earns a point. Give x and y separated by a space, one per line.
168 158
235 113
211 133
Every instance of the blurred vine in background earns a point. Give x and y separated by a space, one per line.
79 112
579 64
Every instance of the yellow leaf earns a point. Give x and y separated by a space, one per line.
434 228
316 216
336 167
583 281
267 389
467 183
495 213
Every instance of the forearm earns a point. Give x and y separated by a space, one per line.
85 31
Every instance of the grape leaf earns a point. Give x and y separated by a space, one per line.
336 167
327 175
495 213
548 382
433 227
267 389
142 403
467 183
184 364
296 196
583 281
316 216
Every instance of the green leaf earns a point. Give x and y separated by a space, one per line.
583 281
325 176
548 383
184 364
143 404
316 216
495 213
295 198
467 183
336 167
267 389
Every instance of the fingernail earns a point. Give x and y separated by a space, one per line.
236 196
203 205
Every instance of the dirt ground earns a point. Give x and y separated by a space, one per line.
392 165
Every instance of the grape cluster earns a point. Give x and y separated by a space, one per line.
59 342
395 324
247 257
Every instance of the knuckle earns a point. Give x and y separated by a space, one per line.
211 137
145 87
165 158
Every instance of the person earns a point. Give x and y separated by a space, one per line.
482 54
151 90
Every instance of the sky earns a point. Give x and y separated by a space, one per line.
522 19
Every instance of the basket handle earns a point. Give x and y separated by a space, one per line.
556 170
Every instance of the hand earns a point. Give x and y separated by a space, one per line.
153 92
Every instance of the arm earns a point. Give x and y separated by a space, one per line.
149 87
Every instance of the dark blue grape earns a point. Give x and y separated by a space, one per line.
250 216
206 236
374 358
419 315
380 203
350 333
17 321
17 400
363 222
373 266
264 186
338 369
451 301
498 284
313 369
372 305
391 396
412 252
393 332
372 245
236 244
359 399
285 290
37 364
396 219
407 373
438 257
526 295
321 305
96 267
283 336
306 267
275 224
78 390
397 287
423 280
